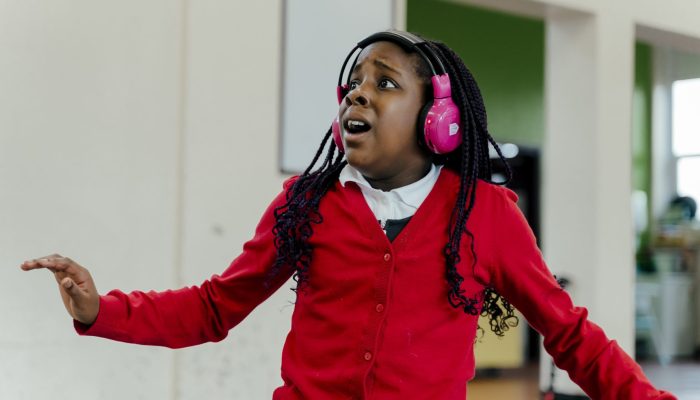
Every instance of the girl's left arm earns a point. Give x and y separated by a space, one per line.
513 265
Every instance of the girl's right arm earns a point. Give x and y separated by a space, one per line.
173 318
516 269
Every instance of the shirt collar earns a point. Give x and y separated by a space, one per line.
412 194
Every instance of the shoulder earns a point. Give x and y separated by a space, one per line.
287 184
488 195
495 193
291 190
287 188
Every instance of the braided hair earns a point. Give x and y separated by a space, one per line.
295 218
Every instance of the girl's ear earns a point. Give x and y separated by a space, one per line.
420 124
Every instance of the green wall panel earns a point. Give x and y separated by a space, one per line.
641 128
506 55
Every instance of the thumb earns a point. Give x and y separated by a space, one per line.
79 302
70 287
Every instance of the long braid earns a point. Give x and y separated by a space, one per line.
293 228
474 163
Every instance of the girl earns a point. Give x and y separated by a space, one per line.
397 242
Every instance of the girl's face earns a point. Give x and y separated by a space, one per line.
379 115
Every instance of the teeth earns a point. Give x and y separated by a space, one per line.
355 124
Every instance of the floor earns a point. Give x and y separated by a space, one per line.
682 379
521 384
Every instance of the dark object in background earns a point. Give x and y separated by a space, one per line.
687 206
525 183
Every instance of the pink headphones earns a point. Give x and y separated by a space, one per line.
439 119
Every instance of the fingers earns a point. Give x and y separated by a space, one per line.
62 267
54 262
35 263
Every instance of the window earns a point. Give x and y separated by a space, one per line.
686 137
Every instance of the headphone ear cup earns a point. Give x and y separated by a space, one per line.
443 132
337 138
341 92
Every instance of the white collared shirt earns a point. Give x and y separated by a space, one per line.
397 203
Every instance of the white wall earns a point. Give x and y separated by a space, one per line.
140 138
230 150
89 96
308 105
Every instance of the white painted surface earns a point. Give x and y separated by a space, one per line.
142 140
230 176
569 163
313 54
88 93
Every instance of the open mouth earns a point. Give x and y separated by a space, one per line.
355 126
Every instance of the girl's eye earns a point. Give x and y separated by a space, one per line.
384 83
387 84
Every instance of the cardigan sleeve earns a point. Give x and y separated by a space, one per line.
197 314
515 268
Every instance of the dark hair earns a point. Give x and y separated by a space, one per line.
470 160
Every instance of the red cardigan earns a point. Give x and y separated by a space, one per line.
374 322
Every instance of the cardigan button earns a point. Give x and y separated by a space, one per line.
368 356
387 257
379 308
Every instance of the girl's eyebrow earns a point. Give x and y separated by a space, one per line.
379 64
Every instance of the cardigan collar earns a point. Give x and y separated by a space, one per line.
410 196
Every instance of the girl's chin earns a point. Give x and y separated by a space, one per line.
356 159
354 139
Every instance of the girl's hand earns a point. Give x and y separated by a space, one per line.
75 284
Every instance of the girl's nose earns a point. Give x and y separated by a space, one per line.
356 96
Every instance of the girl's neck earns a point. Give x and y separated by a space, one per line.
400 180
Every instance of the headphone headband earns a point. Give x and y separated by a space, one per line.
407 41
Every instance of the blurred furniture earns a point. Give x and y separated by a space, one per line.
664 315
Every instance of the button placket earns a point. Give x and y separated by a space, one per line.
372 344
